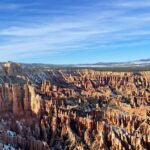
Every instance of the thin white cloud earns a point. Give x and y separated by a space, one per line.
133 4
7 6
102 27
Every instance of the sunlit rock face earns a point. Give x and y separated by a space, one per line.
43 109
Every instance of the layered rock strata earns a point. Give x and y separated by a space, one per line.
74 109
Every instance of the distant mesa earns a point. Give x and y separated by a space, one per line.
136 63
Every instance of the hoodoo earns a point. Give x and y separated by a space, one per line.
73 109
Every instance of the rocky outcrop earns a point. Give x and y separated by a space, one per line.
74 109
11 68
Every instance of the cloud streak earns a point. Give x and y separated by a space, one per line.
91 25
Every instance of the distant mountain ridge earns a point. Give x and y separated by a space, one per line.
136 63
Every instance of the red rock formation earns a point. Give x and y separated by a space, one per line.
76 110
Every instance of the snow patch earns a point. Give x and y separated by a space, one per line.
11 133
8 147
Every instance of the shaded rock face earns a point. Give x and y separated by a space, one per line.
75 110
12 68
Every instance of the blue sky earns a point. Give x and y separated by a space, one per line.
74 31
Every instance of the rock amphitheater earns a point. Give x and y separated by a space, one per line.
73 109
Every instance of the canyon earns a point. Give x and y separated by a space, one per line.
73 109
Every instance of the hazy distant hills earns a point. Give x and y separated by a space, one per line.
136 63
143 63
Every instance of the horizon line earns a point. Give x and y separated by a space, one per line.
142 59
